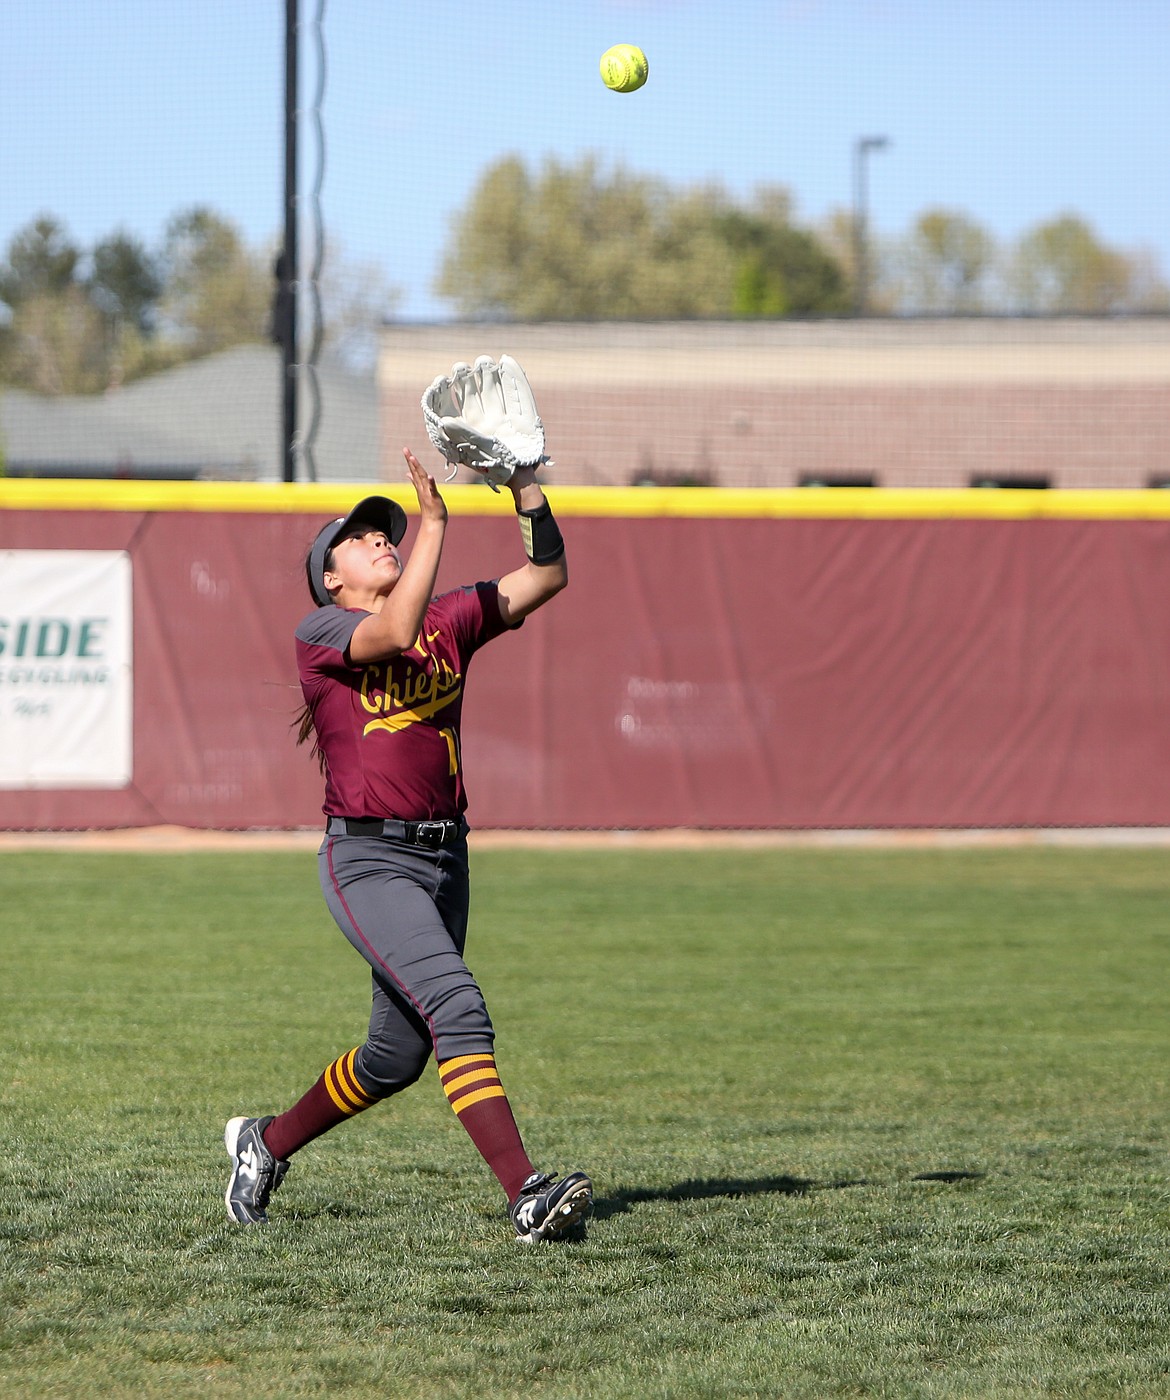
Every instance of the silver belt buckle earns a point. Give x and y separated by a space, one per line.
431 834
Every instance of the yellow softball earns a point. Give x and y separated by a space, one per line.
624 68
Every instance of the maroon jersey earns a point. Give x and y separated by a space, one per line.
389 730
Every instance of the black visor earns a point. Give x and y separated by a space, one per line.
378 512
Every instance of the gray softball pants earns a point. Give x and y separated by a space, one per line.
404 908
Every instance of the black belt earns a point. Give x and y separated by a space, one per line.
433 834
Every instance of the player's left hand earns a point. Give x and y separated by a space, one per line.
431 505
484 416
520 478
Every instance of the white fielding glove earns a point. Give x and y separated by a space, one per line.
483 416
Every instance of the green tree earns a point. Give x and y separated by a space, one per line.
54 341
572 244
58 344
779 270
577 243
125 286
946 261
134 311
217 291
41 261
125 282
1062 266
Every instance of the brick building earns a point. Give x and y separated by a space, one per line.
1074 402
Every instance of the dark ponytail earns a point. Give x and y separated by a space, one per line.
303 723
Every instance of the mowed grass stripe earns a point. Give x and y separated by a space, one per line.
861 1122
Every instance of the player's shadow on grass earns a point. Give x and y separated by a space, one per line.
695 1190
732 1188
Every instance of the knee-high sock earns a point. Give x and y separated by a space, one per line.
335 1096
474 1091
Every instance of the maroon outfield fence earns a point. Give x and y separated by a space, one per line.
721 659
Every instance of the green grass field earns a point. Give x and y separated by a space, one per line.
861 1123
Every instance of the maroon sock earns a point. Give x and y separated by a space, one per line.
474 1091
336 1096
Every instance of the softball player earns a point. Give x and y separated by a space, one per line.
382 666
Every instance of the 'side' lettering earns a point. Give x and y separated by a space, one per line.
51 638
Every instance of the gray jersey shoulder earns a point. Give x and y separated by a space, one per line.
329 627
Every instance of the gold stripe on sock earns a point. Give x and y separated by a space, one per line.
349 1078
493 1091
475 1076
339 1091
334 1094
460 1060
478 1080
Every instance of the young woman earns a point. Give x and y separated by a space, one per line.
382 666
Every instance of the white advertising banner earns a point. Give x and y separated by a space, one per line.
66 674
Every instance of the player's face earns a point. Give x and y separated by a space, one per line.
364 562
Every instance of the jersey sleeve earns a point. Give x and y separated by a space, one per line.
473 614
322 639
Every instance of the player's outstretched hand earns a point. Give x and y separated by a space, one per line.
431 505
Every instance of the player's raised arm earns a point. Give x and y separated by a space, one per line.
547 570
396 616
483 416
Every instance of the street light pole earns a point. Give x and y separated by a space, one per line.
861 149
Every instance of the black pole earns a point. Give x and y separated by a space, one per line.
287 266
859 215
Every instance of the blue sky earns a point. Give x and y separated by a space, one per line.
117 114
